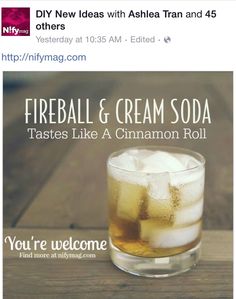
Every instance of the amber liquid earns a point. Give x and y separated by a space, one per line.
130 222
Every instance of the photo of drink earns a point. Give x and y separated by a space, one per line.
155 209
121 182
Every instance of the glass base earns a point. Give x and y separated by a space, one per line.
155 267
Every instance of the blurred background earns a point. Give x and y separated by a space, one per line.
62 183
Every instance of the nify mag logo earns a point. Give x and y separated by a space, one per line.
15 21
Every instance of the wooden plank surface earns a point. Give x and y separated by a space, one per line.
98 278
75 194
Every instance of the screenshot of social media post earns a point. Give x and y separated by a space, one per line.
117 149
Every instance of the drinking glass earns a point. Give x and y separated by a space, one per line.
155 199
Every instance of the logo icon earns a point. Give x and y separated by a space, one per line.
15 21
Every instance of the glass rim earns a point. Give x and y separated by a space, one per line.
166 148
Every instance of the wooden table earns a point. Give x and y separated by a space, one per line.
99 278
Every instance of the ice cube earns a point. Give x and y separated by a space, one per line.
147 227
192 162
125 168
140 153
125 161
174 237
158 186
187 161
192 191
189 214
160 209
161 162
159 198
129 201
190 185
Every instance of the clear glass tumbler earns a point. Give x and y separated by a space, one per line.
155 209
